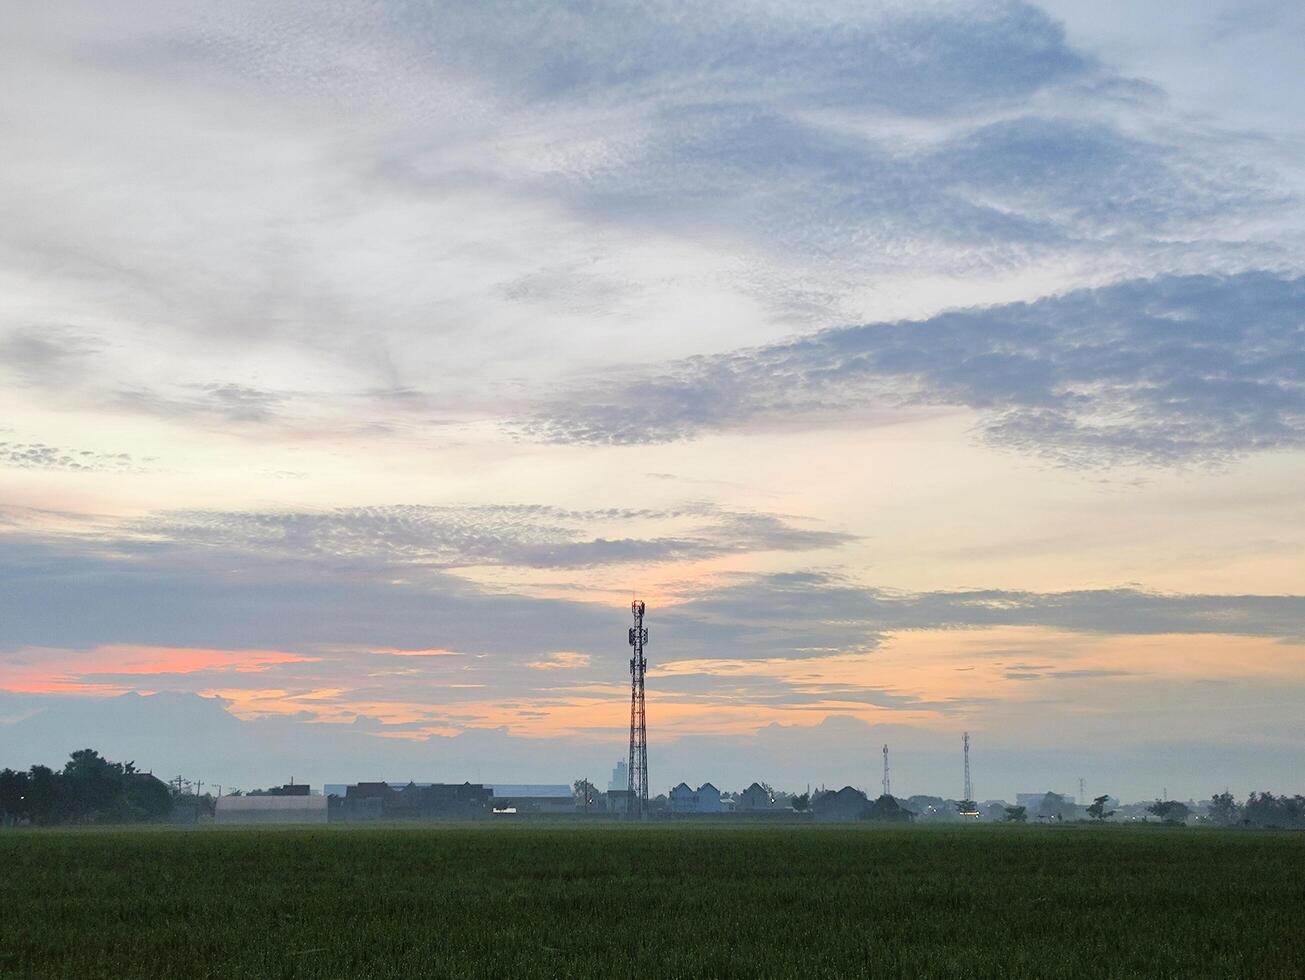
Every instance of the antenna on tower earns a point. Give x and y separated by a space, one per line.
969 790
638 722
886 789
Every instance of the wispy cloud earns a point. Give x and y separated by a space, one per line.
39 456
523 536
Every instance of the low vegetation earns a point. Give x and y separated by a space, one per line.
648 901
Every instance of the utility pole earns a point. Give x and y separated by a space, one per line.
887 791
638 720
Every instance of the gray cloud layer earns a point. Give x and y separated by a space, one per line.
1159 370
815 613
70 593
321 168
522 536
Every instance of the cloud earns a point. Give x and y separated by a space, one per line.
51 356
466 180
811 613
1160 371
39 456
217 594
114 669
562 661
523 536
232 403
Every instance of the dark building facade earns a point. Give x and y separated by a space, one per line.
430 801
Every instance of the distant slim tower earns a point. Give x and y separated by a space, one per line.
886 792
969 790
638 721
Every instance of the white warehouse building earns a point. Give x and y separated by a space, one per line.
270 809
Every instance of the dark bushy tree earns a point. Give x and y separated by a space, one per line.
89 789
13 796
1097 811
1224 811
1170 811
1267 810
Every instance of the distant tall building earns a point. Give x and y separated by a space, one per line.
620 776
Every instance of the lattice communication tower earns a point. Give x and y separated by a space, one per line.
886 791
969 790
638 720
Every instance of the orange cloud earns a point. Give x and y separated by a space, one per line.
46 670
563 660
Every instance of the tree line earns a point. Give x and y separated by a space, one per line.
89 789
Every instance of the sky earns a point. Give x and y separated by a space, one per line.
926 367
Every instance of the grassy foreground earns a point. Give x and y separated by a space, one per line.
661 902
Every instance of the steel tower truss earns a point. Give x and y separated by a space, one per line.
969 789
638 720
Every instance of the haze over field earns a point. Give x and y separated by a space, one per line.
926 367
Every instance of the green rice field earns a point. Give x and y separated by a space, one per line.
652 901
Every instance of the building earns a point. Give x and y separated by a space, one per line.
296 809
618 801
886 809
755 797
532 798
408 801
845 804
1047 806
620 776
289 789
685 799
709 799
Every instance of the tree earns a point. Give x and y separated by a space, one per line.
802 802
13 796
1170 811
1055 807
1224 810
42 794
88 789
585 794
1016 814
148 798
91 788
1097 811
1267 810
